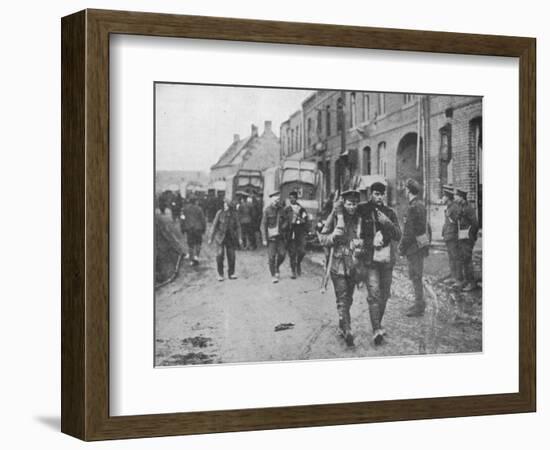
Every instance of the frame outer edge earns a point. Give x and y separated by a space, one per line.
528 238
85 178
73 269
96 172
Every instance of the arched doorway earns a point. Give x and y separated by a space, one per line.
410 164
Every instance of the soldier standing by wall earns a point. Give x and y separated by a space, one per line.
226 233
296 217
343 232
449 233
414 245
467 236
381 234
273 229
193 222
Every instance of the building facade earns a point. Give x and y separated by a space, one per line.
435 139
292 137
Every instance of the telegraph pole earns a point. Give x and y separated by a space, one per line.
342 121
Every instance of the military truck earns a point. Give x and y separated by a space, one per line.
244 182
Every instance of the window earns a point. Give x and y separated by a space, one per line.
308 131
445 156
319 123
328 120
382 163
381 104
291 141
367 167
353 110
366 107
287 143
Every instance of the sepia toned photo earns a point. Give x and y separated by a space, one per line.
301 224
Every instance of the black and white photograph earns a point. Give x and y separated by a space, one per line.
297 224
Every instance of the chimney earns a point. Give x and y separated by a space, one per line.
254 130
267 126
236 138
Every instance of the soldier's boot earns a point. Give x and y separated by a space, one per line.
382 305
299 268
345 327
374 312
419 303
192 257
293 269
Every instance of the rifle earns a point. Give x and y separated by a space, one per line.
326 275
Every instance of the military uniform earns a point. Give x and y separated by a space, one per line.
414 227
468 224
297 219
273 229
379 274
226 233
193 222
175 206
449 233
343 232
245 218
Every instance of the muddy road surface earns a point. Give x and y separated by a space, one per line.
199 320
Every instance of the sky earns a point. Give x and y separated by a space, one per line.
195 124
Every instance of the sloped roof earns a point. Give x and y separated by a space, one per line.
254 152
262 152
231 153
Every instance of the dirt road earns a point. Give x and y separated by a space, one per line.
199 320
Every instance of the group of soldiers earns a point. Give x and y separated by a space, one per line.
459 232
282 229
363 241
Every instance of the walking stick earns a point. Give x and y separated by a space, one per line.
326 275
324 281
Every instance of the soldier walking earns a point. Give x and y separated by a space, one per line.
467 235
273 229
296 217
381 235
449 234
226 233
342 232
414 245
176 203
245 218
193 222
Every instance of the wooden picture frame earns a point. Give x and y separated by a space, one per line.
85 224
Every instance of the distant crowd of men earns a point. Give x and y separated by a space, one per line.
362 242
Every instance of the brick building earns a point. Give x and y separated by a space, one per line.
364 133
292 137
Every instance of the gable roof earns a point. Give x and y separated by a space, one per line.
231 153
262 152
